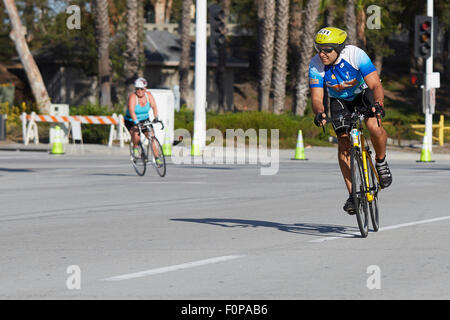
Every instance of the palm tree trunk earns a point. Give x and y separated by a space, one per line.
294 43
168 11
160 8
306 48
350 22
222 61
267 55
132 51
34 76
361 27
280 58
185 58
102 37
141 39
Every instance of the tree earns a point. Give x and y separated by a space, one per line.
222 58
132 51
361 24
163 9
350 22
141 39
306 49
266 56
280 58
102 39
34 76
185 56
294 42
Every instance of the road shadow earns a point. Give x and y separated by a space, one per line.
312 229
15 170
112 174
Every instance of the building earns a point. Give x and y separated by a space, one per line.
70 85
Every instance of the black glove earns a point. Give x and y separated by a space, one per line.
156 120
318 118
378 110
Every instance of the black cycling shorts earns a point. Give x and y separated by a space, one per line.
342 107
130 124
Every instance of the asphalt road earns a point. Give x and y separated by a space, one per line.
87 227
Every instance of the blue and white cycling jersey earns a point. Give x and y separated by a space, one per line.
345 78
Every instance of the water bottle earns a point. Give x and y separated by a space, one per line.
355 137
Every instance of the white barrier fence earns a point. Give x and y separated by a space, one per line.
118 130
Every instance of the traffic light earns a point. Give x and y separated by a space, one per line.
217 25
422 36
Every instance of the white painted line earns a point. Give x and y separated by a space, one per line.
397 226
172 268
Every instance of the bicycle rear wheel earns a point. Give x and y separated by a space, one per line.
359 192
139 161
158 160
373 206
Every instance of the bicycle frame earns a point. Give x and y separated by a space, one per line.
364 154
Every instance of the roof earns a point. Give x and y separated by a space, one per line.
164 48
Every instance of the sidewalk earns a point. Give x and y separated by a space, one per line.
411 152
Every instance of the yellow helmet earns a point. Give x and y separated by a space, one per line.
331 37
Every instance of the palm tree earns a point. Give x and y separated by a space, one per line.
306 48
222 59
104 64
141 38
294 42
132 51
185 57
163 9
266 55
350 22
361 24
280 58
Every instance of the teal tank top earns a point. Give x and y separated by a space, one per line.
141 111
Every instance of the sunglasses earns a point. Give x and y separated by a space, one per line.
324 47
139 89
326 50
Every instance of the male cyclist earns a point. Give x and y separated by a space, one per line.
139 104
352 81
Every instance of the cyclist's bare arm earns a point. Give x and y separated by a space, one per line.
131 106
317 101
374 83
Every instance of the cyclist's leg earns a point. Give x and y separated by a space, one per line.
378 137
338 107
154 145
134 132
377 134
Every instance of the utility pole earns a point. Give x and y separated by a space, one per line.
199 136
432 81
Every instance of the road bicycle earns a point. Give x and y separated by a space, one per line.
149 149
365 179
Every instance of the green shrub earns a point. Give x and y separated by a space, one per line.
287 124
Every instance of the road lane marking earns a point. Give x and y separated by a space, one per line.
397 226
172 268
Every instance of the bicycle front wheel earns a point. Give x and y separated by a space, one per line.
359 192
138 160
158 160
374 188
